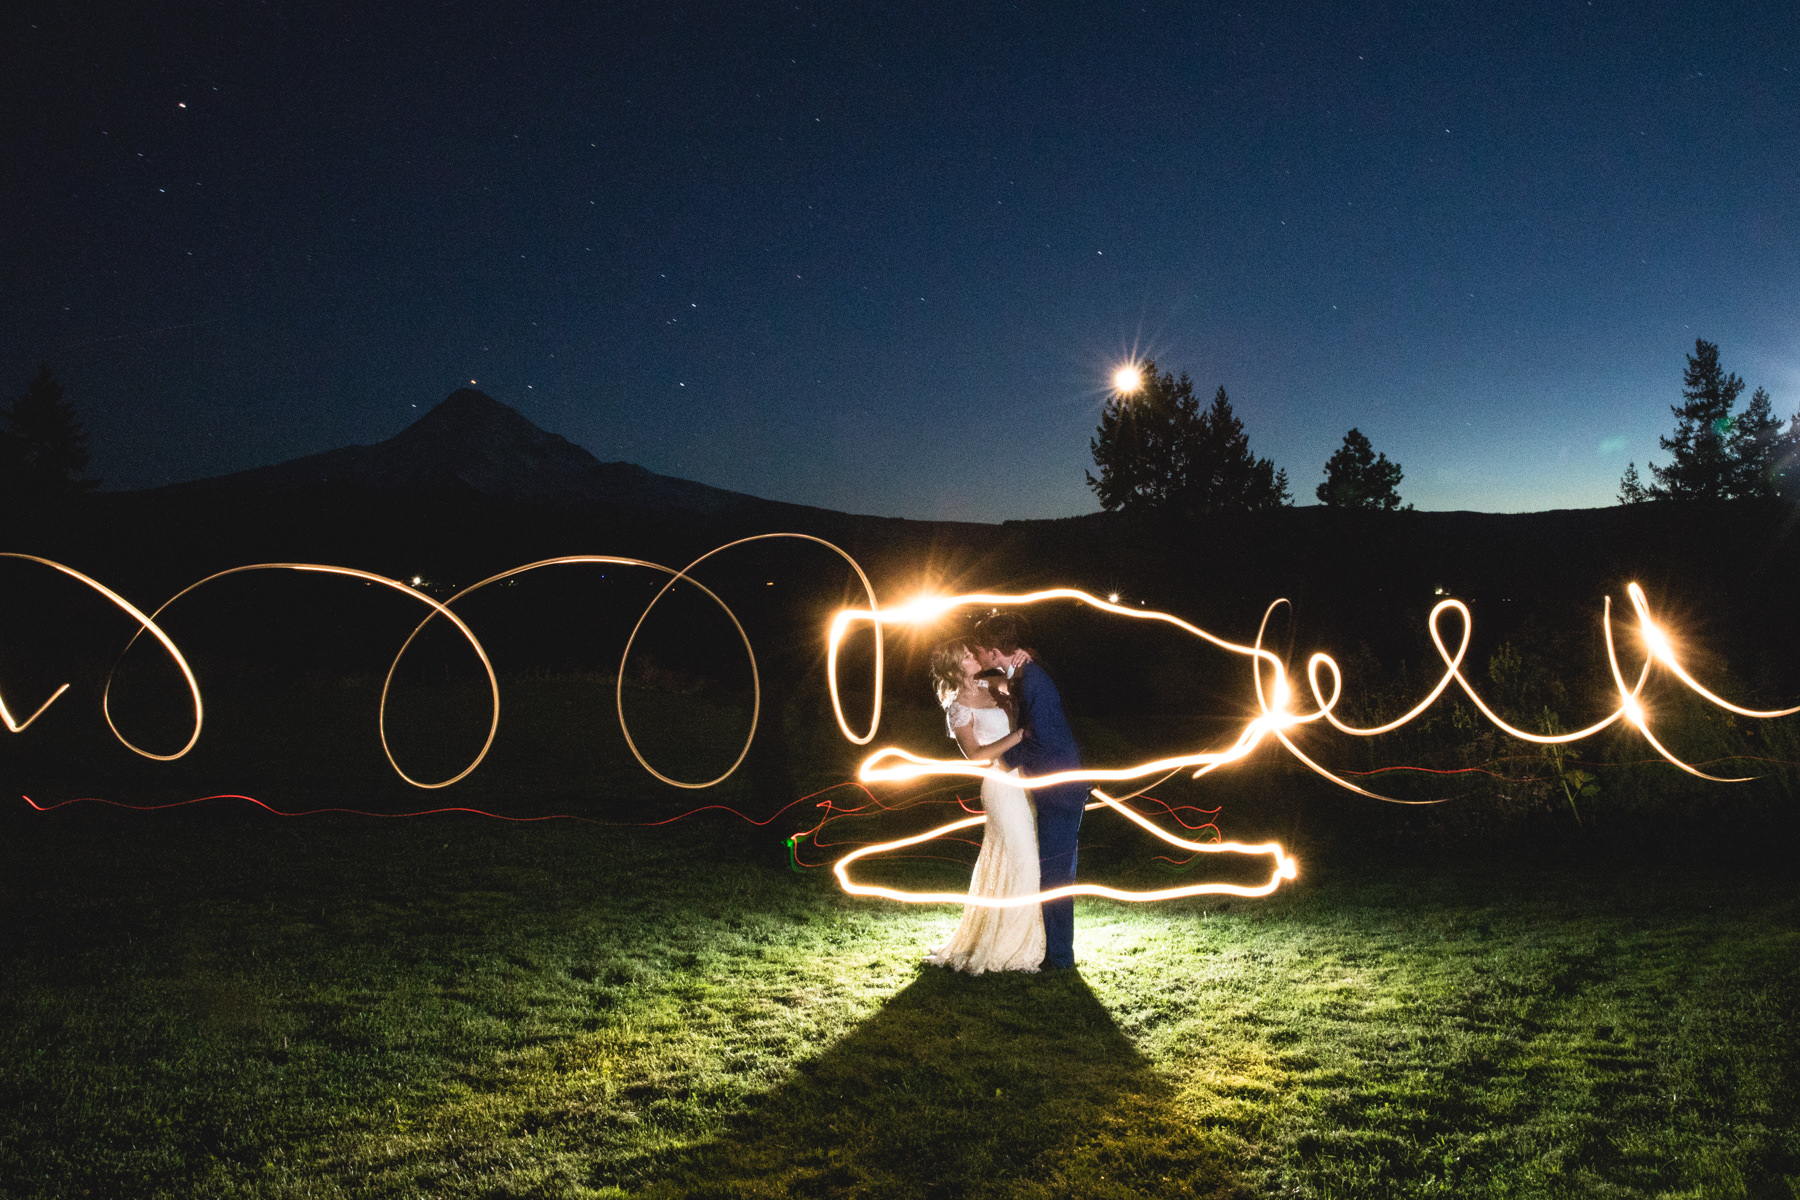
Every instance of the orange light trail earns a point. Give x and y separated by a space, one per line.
1275 718
1275 694
1276 714
144 623
148 623
1285 868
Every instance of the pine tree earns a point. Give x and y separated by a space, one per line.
1357 477
1158 451
1786 458
43 448
1631 487
1221 474
1754 449
1718 455
1141 442
1701 467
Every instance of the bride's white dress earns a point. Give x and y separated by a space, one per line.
998 939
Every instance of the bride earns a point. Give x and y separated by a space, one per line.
990 939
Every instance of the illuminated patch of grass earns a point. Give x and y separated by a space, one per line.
225 1005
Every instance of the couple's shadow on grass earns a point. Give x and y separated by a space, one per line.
1012 1085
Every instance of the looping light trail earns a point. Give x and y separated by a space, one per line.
684 575
1275 718
619 691
1274 695
1284 868
1275 713
381 720
144 623
148 623
18 726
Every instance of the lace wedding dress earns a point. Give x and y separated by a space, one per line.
998 939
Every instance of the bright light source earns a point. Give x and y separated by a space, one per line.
1112 597
1127 380
921 610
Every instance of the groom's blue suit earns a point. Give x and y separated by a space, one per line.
1049 747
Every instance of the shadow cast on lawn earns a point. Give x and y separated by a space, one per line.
1006 1085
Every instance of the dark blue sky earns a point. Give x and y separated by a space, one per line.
883 258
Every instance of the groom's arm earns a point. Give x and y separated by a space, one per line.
1049 744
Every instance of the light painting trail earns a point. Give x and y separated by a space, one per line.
1284 868
147 623
306 812
144 623
1276 715
1274 695
1275 718
381 719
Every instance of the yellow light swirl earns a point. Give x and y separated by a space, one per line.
835 634
675 577
1663 651
891 763
619 688
1274 718
1285 868
381 723
1273 693
18 726
437 610
894 763
144 623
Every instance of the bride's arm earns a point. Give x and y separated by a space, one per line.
974 751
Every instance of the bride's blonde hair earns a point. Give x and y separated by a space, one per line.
946 668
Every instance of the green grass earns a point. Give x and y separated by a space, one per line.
217 1002
233 1005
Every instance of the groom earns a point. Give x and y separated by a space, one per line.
1001 643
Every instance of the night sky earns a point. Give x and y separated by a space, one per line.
883 259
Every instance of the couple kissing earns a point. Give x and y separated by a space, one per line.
1003 709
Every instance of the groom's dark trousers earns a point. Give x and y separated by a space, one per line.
1049 747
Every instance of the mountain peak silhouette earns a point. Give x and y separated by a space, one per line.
471 442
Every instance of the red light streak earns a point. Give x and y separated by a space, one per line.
307 812
1274 694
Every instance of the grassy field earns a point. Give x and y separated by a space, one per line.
213 1001
224 1003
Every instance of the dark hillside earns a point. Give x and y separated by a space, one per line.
474 488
